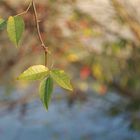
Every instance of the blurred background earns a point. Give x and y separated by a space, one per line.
97 42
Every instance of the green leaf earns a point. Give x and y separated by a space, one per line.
61 78
15 28
36 72
45 91
2 23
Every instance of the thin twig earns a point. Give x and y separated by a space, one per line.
25 12
32 3
39 33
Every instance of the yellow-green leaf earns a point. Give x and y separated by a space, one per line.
45 91
2 23
36 72
61 78
15 28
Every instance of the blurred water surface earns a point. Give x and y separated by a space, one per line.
82 121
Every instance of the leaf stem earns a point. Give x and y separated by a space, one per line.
39 32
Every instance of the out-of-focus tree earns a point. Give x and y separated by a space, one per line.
98 56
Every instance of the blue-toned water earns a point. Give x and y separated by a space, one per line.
83 121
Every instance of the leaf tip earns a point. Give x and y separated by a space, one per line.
70 88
